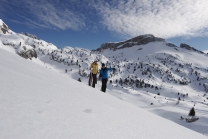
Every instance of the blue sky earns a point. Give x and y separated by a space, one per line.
89 23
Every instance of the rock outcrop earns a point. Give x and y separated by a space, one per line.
28 54
3 27
186 46
29 35
205 87
139 40
171 45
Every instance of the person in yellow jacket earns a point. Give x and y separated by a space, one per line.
93 74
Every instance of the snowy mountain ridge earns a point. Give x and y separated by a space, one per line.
151 73
139 40
142 40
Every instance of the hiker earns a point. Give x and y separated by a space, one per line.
93 74
104 76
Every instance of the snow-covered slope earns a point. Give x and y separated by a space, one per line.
206 51
159 74
149 71
55 106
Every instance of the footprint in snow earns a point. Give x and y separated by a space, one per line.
89 111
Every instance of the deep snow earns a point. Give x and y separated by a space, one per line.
157 56
56 106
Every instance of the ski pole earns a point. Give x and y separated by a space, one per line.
98 85
91 79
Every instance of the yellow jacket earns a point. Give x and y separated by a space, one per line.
94 68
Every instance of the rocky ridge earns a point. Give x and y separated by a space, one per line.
139 40
186 46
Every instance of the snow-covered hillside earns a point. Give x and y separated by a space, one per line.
158 74
151 73
56 106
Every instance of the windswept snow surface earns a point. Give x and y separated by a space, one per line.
36 102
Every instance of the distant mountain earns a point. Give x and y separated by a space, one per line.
139 40
149 70
206 51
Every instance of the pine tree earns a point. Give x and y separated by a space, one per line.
192 112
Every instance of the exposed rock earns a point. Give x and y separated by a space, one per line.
171 45
205 87
4 28
186 46
29 35
28 54
139 40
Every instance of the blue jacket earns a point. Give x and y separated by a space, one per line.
104 72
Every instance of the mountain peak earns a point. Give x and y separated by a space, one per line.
139 40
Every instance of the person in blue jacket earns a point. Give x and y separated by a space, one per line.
104 76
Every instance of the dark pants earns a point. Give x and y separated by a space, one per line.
104 84
93 79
